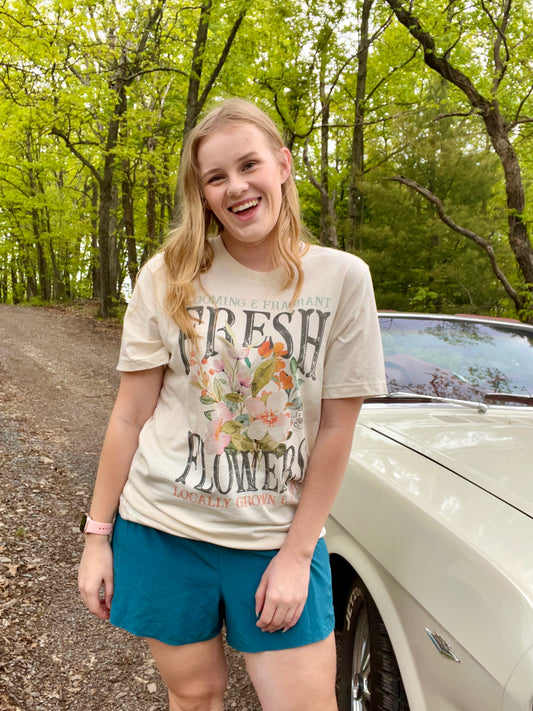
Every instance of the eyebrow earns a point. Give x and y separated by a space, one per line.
241 159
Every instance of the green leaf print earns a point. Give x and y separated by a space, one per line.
231 427
263 375
234 397
206 400
268 445
219 391
294 366
241 443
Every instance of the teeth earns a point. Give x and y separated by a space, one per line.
244 206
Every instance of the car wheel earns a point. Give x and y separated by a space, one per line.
369 676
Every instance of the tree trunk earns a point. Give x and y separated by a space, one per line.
128 218
355 196
94 269
195 101
193 108
151 239
106 250
15 287
42 266
328 216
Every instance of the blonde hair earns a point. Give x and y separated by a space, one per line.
187 251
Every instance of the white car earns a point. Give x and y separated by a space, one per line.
431 536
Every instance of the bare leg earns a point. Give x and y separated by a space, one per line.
300 679
196 675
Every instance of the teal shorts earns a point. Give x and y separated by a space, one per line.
181 591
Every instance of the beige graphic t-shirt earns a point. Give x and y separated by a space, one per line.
223 458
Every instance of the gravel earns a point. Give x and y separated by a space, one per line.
57 386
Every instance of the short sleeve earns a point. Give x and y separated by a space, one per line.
142 345
354 364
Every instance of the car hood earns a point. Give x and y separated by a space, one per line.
493 450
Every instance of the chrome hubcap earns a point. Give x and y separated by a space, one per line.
361 664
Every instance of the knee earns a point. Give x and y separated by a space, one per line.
204 695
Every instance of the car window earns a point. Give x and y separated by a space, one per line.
459 359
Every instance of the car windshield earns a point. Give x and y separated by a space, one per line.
459 359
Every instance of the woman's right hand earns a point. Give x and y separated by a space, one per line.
95 575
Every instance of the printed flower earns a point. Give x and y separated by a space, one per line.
236 352
268 416
218 365
216 440
285 381
244 377
265 349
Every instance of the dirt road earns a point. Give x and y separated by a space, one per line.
57 386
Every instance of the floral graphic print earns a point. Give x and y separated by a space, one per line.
250 397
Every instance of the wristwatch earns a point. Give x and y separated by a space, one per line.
87 525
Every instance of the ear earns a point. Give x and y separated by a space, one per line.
285 164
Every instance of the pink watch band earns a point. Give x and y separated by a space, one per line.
90 526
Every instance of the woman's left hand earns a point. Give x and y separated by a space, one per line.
282 592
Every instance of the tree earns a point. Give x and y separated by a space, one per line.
357 162
127 64
196 100
488 101
328 215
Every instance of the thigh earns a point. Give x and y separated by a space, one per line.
196 675
166 587
295 679
241 573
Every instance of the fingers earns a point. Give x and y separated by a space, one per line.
97 598
282 592
260 596
95 580
278 613
281 619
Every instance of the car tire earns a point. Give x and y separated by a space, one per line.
369 675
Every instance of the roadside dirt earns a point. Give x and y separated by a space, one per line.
57 386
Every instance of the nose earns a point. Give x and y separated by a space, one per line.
237 185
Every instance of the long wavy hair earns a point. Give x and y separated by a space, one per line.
187 250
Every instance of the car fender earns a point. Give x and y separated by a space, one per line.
519 689
460 580
384 592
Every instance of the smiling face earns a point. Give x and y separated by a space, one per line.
241 175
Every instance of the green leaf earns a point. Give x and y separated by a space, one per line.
231 427
263 375
234 397
219 390
241 443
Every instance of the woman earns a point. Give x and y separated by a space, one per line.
245 359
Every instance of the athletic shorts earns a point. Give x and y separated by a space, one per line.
182 591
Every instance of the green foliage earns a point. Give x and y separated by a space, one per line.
71 73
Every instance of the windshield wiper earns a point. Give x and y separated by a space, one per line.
509 397
419 397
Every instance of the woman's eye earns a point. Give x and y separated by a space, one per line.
250 164
214 179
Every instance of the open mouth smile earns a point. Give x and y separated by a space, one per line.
244 206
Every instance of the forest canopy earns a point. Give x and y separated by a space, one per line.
410 126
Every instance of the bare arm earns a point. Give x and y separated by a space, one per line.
282 593
136 400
